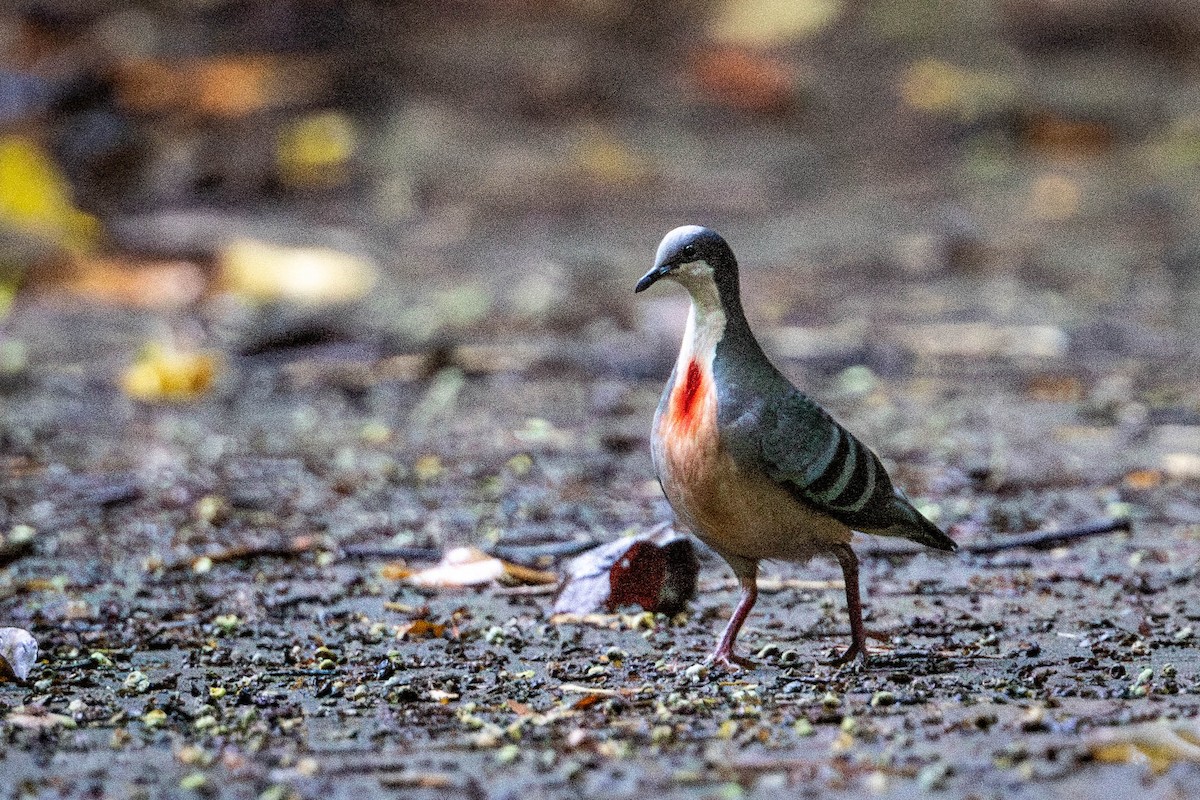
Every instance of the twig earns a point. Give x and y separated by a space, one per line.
1036 539
420 780
297 545
775 585
14 551
517 554
393 552
526 591
530 554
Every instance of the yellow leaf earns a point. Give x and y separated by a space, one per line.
606 159
314 150
765 23
36 199
263 271
940 87
163 374
1157 744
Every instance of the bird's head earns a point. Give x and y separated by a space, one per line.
695 257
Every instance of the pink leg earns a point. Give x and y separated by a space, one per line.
858 634
724 655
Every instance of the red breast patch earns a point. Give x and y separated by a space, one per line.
685 403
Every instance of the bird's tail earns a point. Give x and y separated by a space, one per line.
913 525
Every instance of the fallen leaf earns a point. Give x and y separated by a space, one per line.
1050 133
520 709
469 566
122 282
315 149
586 701
265 272
1156 744
18 653
1056 388
766 23
1142 479
224 87
165 374
421 629
745 80
395 571
37 718
656 570
35 198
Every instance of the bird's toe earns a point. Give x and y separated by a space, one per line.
854 653
729 660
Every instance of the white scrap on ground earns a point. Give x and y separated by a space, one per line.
18 653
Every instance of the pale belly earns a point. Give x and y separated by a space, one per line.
743 515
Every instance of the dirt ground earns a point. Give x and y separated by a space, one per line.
1001 303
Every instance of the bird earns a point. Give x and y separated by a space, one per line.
755 468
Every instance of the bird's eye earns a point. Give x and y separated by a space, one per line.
689 251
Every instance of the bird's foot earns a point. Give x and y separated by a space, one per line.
729 660
853 652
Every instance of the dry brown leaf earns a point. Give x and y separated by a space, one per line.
219 86
121 282
656 570
586 701
745 80
421 629
395 571
1055 388
1057 135
518 708
1142 479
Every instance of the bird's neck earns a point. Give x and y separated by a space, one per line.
714 323
706 324
713 317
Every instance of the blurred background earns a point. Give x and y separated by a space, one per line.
916 189
1052 142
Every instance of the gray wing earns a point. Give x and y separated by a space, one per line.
824 466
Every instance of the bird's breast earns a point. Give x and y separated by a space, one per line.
686 442
737 510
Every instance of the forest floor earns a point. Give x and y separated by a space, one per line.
218 584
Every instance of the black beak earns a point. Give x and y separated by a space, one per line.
652 276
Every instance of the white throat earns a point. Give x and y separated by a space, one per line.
706 319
